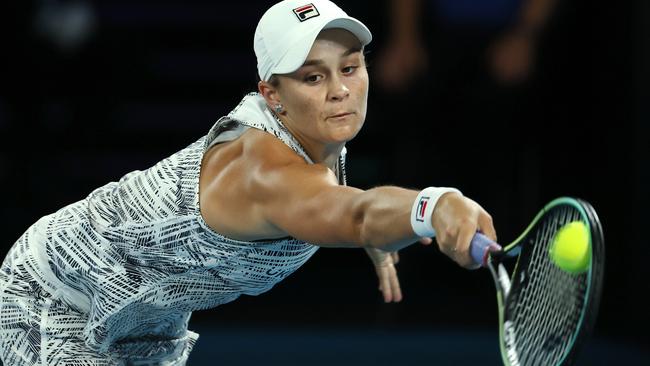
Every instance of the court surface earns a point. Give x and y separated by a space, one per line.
351 347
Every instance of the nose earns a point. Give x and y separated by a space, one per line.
338 90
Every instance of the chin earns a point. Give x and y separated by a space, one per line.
345 134
341 132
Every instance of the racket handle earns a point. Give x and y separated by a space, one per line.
480 247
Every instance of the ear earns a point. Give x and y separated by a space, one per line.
270 93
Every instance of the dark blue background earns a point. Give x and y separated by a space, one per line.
153 77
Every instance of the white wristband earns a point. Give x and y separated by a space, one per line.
423 209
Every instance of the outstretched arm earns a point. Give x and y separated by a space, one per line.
266 191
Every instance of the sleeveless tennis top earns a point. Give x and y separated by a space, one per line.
137 257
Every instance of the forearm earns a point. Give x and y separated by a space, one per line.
384 219
404 19
533 16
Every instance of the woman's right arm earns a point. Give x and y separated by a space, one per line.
270 192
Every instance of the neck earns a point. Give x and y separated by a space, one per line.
318 151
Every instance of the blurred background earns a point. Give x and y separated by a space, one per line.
515 102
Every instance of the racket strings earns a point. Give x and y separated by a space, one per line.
547 313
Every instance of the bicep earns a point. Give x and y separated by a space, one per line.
307 203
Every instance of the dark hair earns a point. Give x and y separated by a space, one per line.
274 81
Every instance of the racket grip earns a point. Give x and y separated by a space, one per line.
480 247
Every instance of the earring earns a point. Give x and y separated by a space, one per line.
278 108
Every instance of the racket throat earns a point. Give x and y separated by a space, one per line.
504 280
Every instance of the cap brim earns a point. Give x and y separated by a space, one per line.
354 26
296 55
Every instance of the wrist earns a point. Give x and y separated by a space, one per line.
423 207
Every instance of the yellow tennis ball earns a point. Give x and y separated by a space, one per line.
570 248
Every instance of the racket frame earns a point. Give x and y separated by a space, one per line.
504 283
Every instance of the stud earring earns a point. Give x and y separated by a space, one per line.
278 108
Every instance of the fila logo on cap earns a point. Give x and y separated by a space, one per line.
422 208
306 12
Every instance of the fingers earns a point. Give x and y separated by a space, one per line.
396 290
388 279
386 273
426 241
462 251
385 283
486 226
378 256
456 220
394 282
389 284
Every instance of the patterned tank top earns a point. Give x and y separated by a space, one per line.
136 255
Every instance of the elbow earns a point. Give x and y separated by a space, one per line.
364 239
369 231
364 232
356 228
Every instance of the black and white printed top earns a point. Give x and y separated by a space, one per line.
137 257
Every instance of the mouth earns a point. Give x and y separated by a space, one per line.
341 115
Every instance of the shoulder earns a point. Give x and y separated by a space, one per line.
265 147
256 165
257 161
270 162
254 149
239 178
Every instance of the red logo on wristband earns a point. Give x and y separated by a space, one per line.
422 208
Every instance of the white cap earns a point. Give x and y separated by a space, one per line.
288 29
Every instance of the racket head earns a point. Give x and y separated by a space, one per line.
545 313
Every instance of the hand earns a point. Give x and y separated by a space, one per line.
456 219
386 273
400 63
511 57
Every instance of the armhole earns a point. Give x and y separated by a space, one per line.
226 131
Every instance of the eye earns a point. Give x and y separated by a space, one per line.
349 69
313 78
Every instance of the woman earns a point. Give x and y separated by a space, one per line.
114 278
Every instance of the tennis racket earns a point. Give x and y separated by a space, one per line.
545 313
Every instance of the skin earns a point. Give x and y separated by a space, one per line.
256 187
510 58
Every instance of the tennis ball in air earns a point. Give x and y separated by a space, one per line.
570 248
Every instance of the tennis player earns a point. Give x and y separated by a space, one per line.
113 279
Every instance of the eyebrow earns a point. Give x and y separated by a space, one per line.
319 62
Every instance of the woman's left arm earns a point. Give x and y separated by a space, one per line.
384 263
